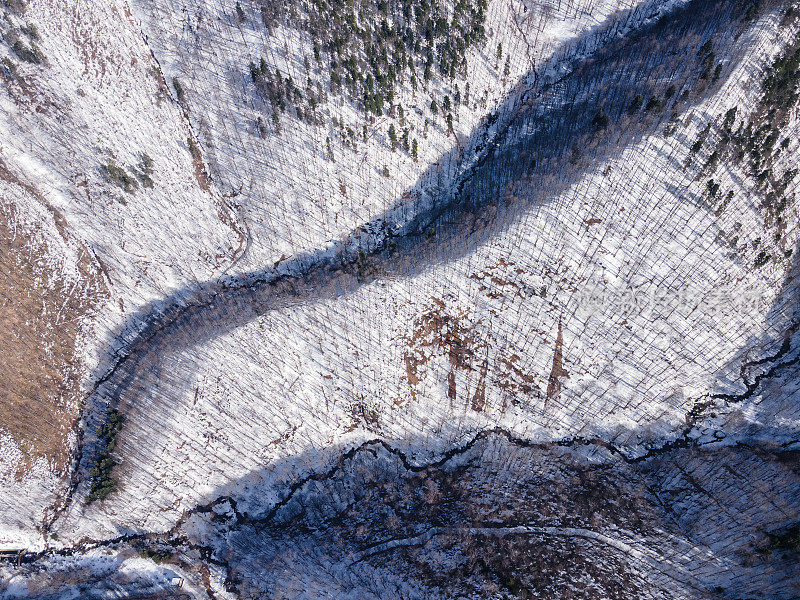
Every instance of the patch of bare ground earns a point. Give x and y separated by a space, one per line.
471 350
199 166
40 316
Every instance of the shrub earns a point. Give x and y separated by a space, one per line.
102 482
762 259
30 30
178 89
119 176
158 556
8 68
601 120
652 104
730 118
712 162
32 54
194 149
143 170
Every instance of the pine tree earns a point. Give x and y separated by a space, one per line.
276 121
414 154
434 107
178 89
393 136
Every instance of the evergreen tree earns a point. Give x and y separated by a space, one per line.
178 89
276 121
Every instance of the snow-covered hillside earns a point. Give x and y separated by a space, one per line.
471 252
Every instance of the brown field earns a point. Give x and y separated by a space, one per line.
40 315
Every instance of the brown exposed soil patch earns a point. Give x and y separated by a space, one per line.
40 316
558 371
438 332
470 349
200 172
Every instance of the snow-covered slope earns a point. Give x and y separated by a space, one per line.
595 246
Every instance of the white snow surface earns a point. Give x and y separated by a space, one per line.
284 393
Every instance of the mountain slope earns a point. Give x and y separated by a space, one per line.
595 263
